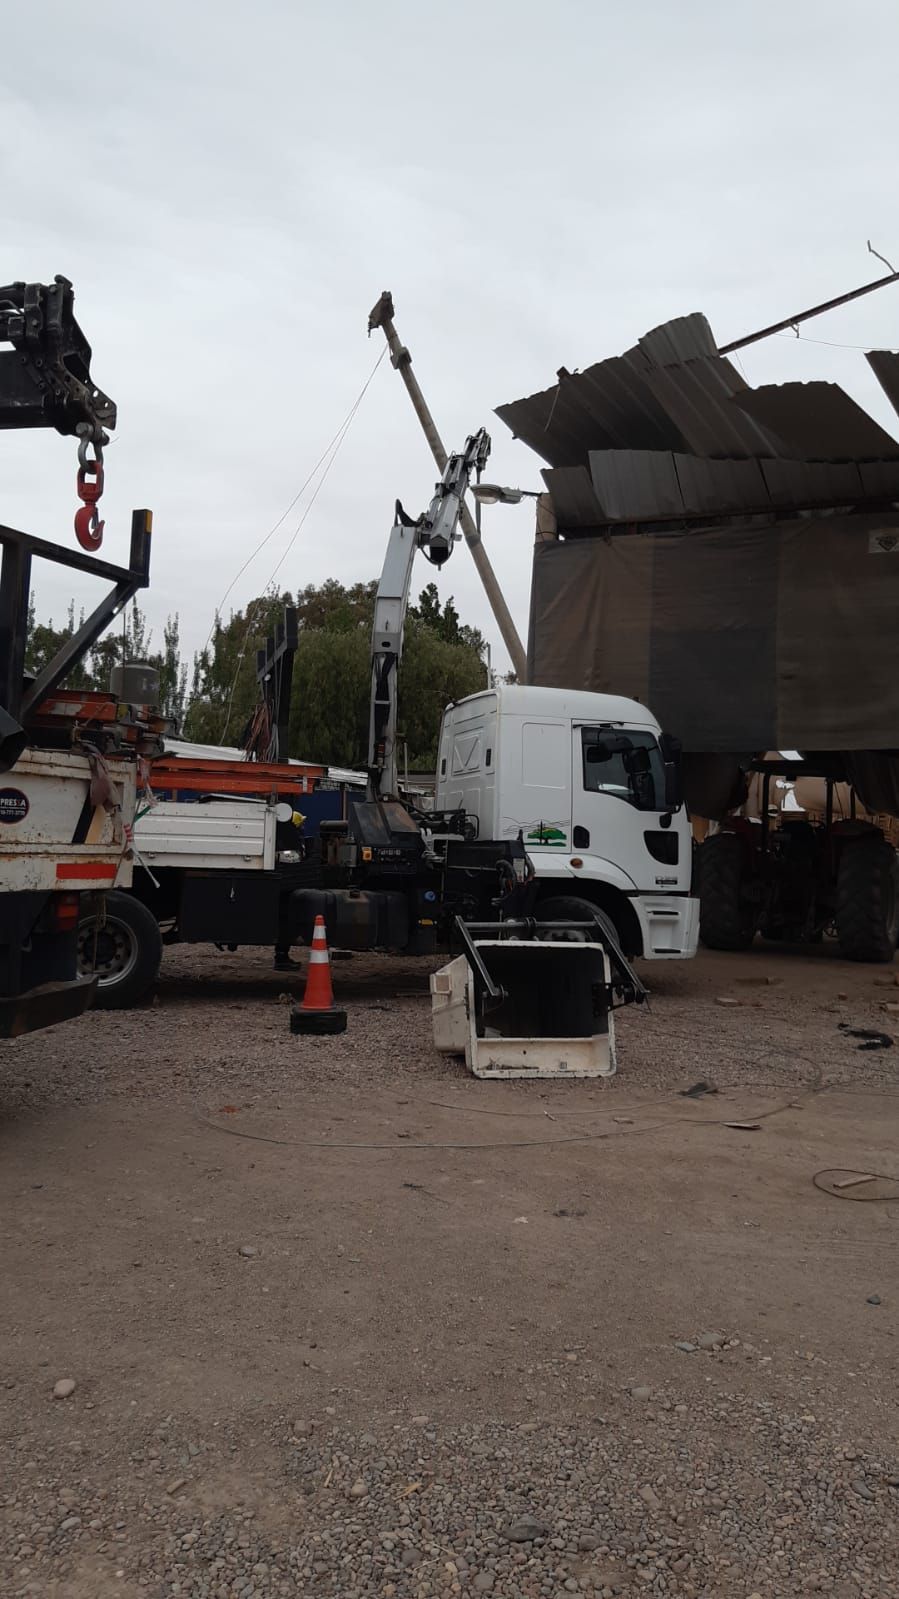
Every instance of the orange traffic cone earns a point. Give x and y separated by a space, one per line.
318 1013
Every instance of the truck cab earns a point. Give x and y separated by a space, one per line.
590 783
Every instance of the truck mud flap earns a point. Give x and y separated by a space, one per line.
44 1007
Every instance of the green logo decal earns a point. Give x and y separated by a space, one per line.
548 835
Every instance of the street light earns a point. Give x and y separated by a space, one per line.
497 494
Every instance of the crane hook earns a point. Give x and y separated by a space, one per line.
88 527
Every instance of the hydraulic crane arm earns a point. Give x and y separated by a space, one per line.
434 534
45 379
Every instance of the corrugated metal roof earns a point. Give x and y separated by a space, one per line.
698 396
684 338
791 483
670 428
635 485
885 366
573 499
817 422
611 405
719 486
656 485
880 479
607 407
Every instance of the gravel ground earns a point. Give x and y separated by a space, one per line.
407 1334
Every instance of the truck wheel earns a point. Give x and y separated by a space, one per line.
571 909
726 921
868 900
128 952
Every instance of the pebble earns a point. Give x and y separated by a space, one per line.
712 1340
64 1388
525 1528
641 1392
629 1507
873 1299
249 1251
688 1349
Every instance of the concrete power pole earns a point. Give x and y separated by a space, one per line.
382 317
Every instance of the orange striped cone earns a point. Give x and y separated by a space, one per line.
318 1013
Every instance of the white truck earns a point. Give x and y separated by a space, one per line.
551 808
589 782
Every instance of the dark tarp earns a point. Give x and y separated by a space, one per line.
741 638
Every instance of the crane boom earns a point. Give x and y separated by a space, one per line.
434 534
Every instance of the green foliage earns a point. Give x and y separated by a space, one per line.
332 670
445 623
332 673
129 641
224 688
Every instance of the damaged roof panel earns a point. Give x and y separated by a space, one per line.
718 486
635 485
671 427
697 395
885 366
573 499
791 483
817 422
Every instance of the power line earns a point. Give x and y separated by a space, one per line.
834 345
300 492
329 456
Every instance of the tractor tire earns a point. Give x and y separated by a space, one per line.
868 900
726 920
568 908
124 952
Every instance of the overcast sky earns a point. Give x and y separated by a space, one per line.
230 187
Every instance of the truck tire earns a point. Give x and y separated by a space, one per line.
568 908
868 900
726 920
128 952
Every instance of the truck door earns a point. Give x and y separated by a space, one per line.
616 795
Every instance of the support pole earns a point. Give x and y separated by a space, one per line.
382 317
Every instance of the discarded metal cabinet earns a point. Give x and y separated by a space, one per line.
551 1014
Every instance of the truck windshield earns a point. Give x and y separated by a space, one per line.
635 773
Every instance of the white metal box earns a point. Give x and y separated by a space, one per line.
554 1021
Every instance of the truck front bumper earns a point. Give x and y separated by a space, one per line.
669 924
44 1006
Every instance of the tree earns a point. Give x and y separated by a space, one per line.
332 673
44 640
224 687
172 673
445 623
130 642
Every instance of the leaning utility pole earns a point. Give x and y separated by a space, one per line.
382 317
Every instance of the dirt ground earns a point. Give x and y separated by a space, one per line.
307 1288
